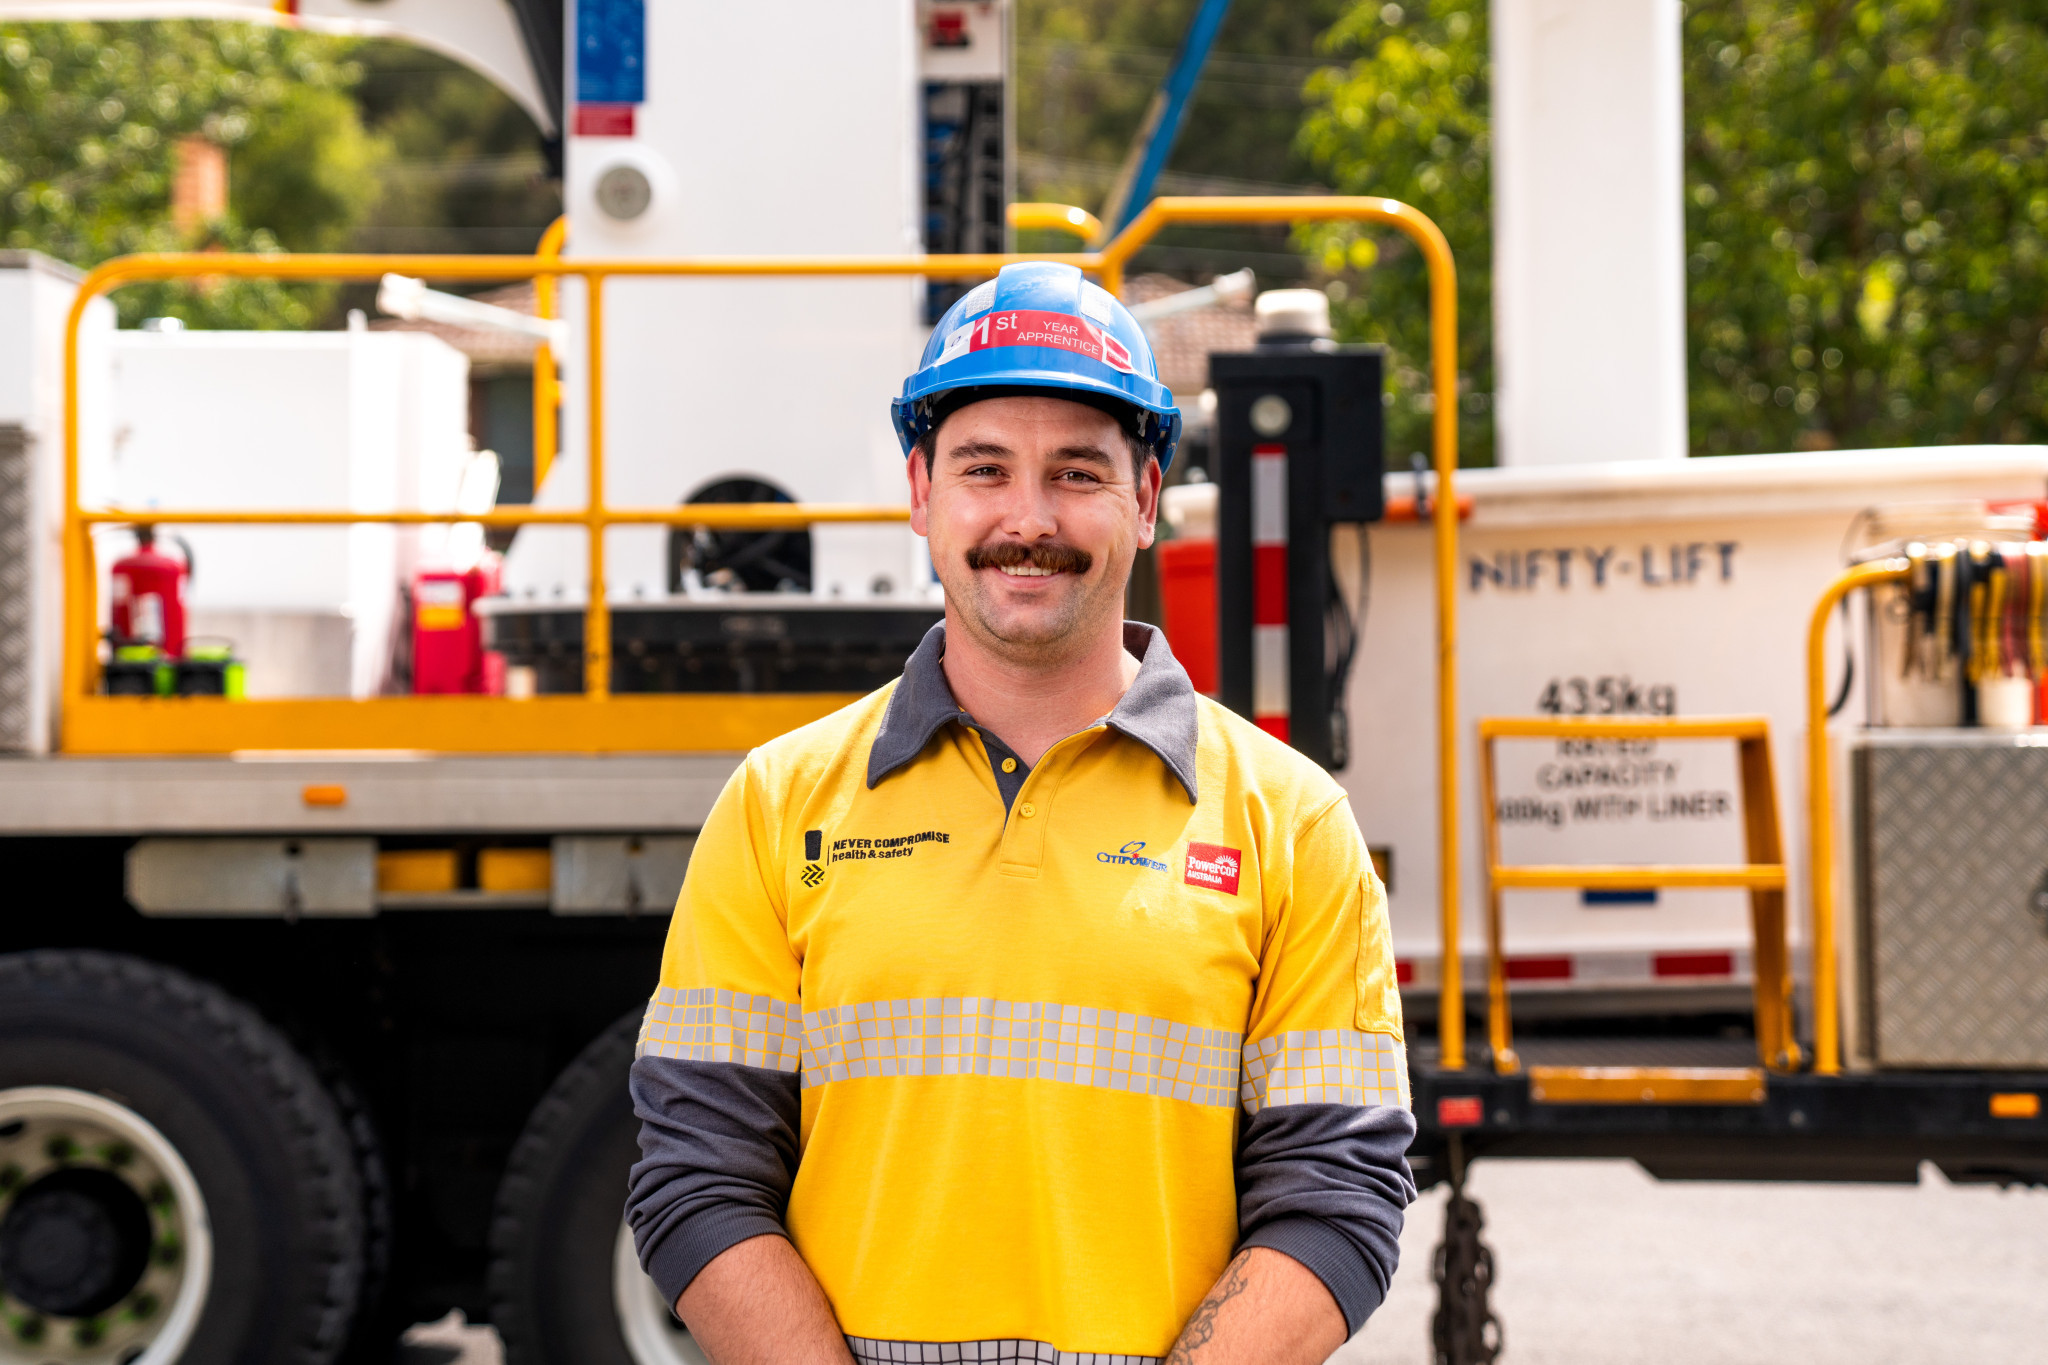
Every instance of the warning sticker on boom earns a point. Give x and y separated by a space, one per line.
1031 327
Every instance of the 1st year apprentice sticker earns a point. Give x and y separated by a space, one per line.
1033 327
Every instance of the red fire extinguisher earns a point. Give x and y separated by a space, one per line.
448 652
149 596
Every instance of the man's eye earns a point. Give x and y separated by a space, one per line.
983 470
1078 476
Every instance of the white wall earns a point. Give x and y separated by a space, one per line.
795 133
291 420
1589 231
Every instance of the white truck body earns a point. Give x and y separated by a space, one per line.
751 148
1640 587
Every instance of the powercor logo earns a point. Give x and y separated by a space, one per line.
1133 855
1213 866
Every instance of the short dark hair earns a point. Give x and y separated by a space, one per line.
1126 419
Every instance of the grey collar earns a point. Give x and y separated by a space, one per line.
1158 711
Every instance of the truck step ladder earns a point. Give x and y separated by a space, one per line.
1762 875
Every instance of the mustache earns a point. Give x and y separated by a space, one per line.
1049 555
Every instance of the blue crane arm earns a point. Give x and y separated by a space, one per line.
1163 119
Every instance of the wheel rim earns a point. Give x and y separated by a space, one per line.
653 1336
105 1250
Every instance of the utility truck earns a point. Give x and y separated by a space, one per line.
318 985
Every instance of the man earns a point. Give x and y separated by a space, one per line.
1034 1007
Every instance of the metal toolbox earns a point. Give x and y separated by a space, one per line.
1951 831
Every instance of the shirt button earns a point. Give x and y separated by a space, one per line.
1009 765
1027 810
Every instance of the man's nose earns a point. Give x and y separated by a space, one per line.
1028 512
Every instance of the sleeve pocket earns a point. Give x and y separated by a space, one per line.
1379 992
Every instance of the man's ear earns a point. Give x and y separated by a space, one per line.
1149 484
920 477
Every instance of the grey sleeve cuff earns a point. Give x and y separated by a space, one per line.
1332 1257
696 1241
718 1151
1326 1184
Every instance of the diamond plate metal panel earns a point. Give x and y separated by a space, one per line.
17 591
1957 951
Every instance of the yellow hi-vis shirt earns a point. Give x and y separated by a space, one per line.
1026 1038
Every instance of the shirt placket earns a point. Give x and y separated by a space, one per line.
1009 771
1023 846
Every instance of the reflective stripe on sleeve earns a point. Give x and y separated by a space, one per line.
1324 1066
704 1024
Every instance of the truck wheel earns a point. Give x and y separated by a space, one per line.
379 1319
566 1287
174 1183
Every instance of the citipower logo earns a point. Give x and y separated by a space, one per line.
1132 855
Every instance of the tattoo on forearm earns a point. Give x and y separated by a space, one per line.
1201 1328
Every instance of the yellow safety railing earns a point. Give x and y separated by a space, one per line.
1762 875
1820 805
595 720
547 380
1058 217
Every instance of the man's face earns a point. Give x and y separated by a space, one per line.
1033 513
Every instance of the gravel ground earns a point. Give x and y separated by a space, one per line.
1598 1264
1595 1263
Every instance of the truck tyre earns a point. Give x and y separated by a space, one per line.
174 1182
566 1288
379 1318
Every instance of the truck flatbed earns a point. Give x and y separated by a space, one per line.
1976 1125
360 793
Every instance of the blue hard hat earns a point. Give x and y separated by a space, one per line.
1040 325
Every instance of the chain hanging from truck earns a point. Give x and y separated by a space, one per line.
1464 1330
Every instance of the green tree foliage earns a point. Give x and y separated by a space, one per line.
1407 118
1866 200
469 173
1867 193
306 172
90 115
1087 69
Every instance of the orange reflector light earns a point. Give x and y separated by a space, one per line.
430 871
2016 1105
515 869
324 795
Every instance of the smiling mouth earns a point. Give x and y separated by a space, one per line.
1026 571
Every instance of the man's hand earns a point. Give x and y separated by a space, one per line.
757 1303
1266 1309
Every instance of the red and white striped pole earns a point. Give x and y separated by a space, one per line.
1270 698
